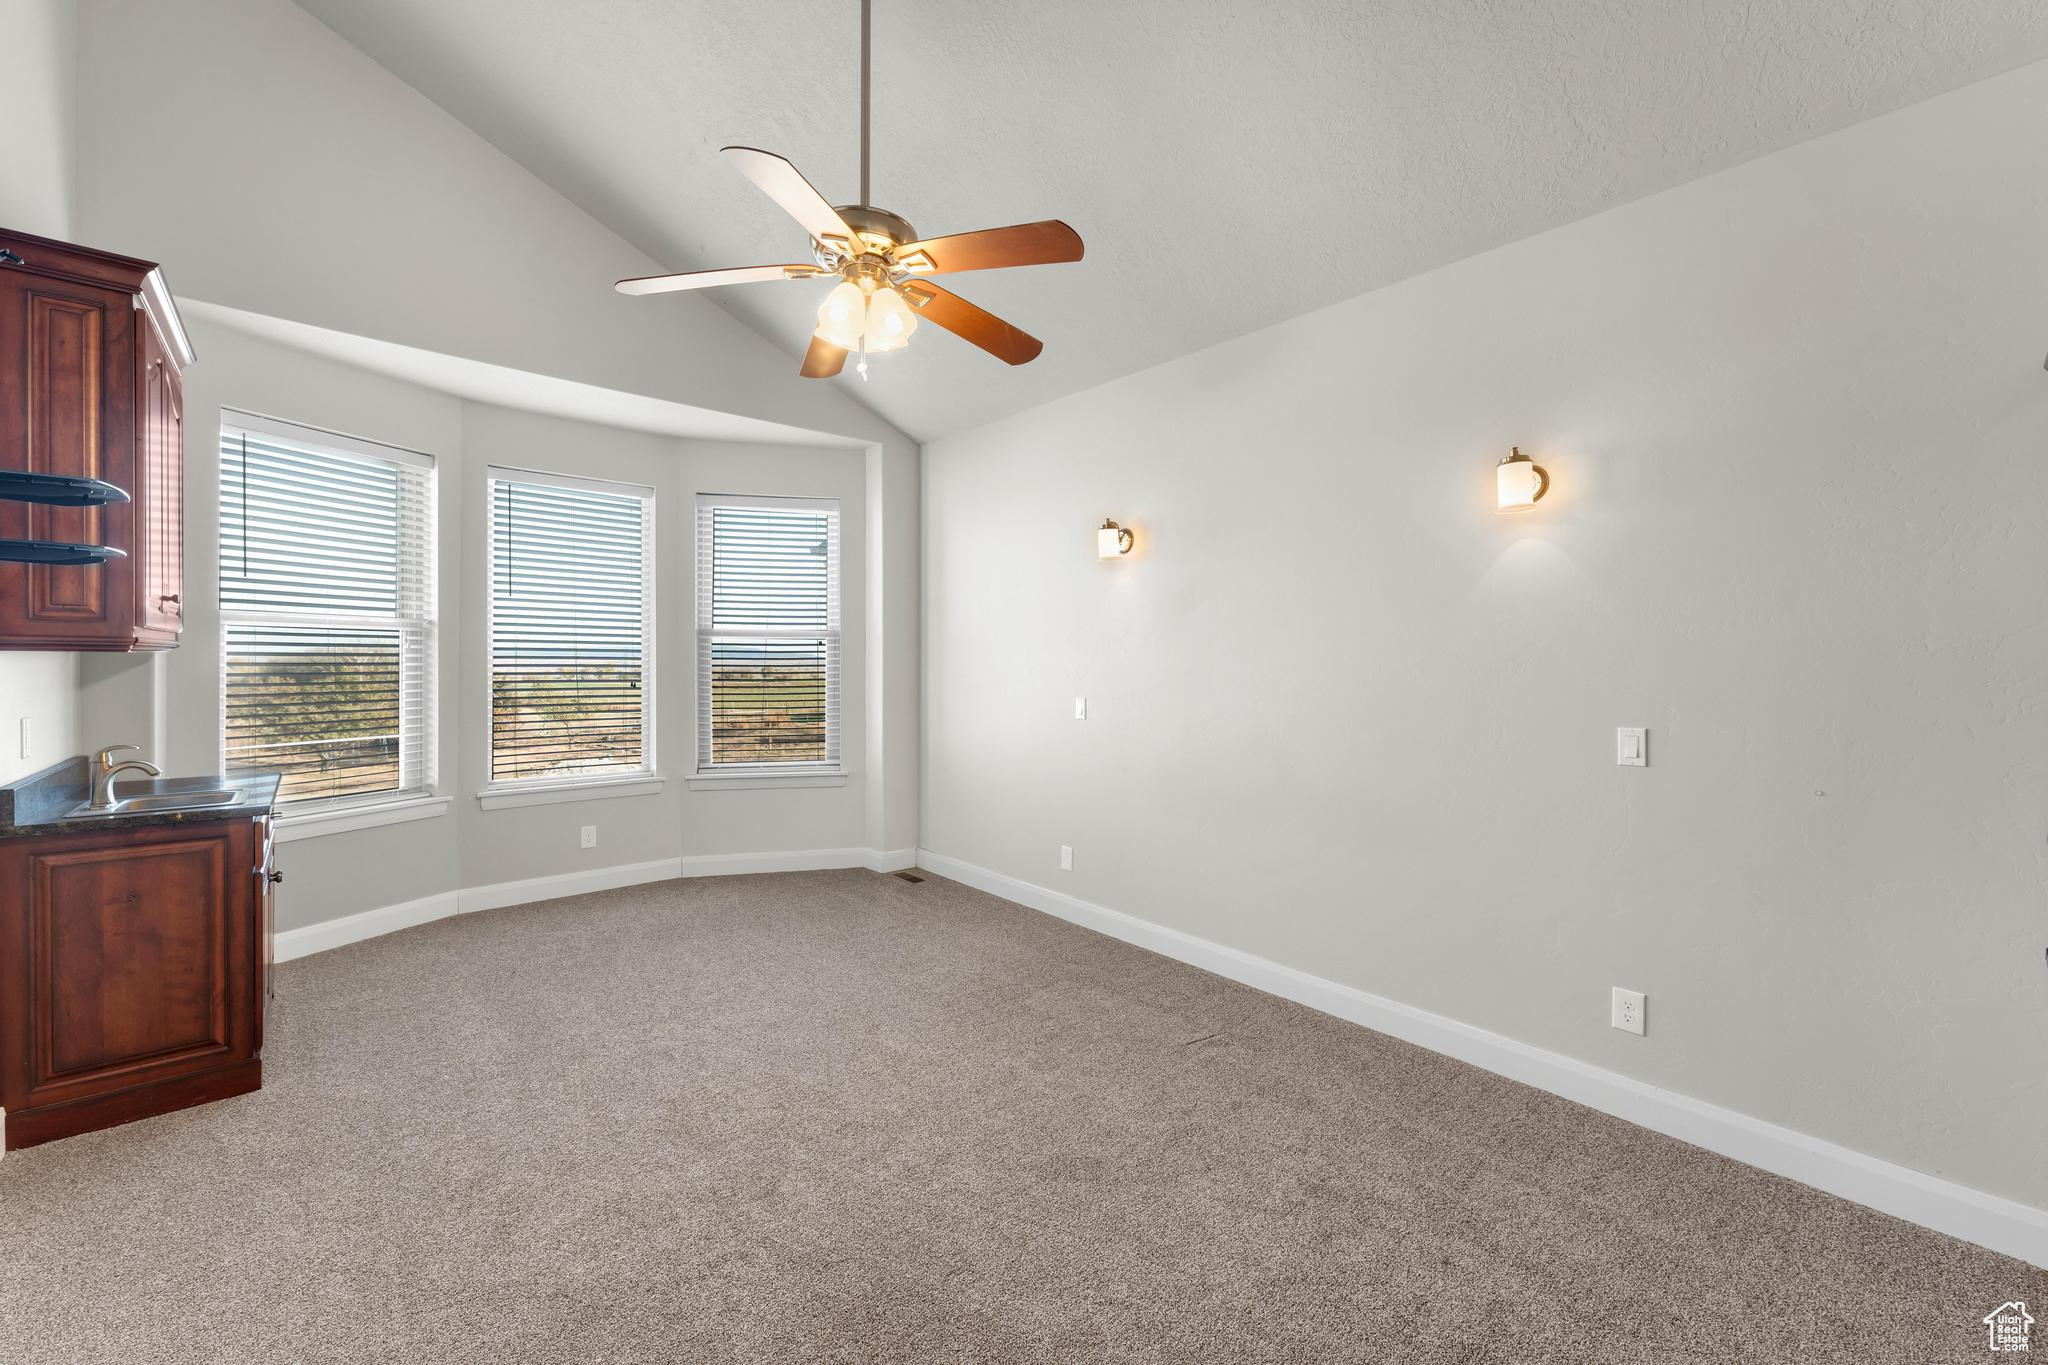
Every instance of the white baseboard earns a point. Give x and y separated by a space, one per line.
532 889
796 860
2002 1225
389 919
897 860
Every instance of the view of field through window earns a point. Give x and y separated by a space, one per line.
321 707
768 701
569 630
768 627
323 576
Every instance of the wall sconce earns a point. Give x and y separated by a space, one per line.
1518 482
1112 540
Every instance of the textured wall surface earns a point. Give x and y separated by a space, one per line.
1229 164
1342 716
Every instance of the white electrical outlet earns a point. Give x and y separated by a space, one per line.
1080 708
590 836
1066 858
1629 1007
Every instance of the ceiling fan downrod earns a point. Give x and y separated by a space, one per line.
866 23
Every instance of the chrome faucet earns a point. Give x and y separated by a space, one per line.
105 770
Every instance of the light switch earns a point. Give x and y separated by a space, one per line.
1080 708
1632 747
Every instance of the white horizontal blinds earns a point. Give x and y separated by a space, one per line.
571 629
326 594
768 633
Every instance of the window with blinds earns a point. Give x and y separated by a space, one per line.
327 613
572 629
767 635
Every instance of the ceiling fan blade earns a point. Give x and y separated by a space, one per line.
1041 243
786 185
706 279
823 360
971 323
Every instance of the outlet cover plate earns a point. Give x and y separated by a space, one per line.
1628 1010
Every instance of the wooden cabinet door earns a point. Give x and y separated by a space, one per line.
67 406
129 958
160 512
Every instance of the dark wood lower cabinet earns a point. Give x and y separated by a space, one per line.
134 966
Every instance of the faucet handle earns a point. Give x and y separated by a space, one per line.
106 758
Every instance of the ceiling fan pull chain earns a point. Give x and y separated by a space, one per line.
867 312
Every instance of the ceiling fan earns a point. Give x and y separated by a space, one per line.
882 264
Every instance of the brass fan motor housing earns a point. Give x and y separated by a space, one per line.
880 233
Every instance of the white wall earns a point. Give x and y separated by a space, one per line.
302 181
43 690
37 184
343 873
510 844
337 874
1342 716
37 85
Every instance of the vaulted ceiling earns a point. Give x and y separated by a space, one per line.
1229 164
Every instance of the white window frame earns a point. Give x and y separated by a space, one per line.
418 800
831 772
548 790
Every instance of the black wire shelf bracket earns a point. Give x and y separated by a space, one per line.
57 490
56 552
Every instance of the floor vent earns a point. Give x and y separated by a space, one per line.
907 876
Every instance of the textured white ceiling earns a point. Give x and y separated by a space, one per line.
1229 164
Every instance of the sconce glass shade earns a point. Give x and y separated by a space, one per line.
1519 482
1113 540
848 316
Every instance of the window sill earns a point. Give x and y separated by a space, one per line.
757 780
550 793
314 824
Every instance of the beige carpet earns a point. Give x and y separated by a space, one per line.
835 1116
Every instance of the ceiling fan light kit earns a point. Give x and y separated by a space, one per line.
880 262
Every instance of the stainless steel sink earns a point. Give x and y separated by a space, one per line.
163 794
175 801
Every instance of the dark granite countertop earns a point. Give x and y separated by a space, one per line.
44 802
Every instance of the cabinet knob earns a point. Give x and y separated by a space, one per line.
9 258
277 876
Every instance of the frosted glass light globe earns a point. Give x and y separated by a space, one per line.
842 316
890 321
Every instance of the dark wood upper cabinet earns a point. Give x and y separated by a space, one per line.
91 361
